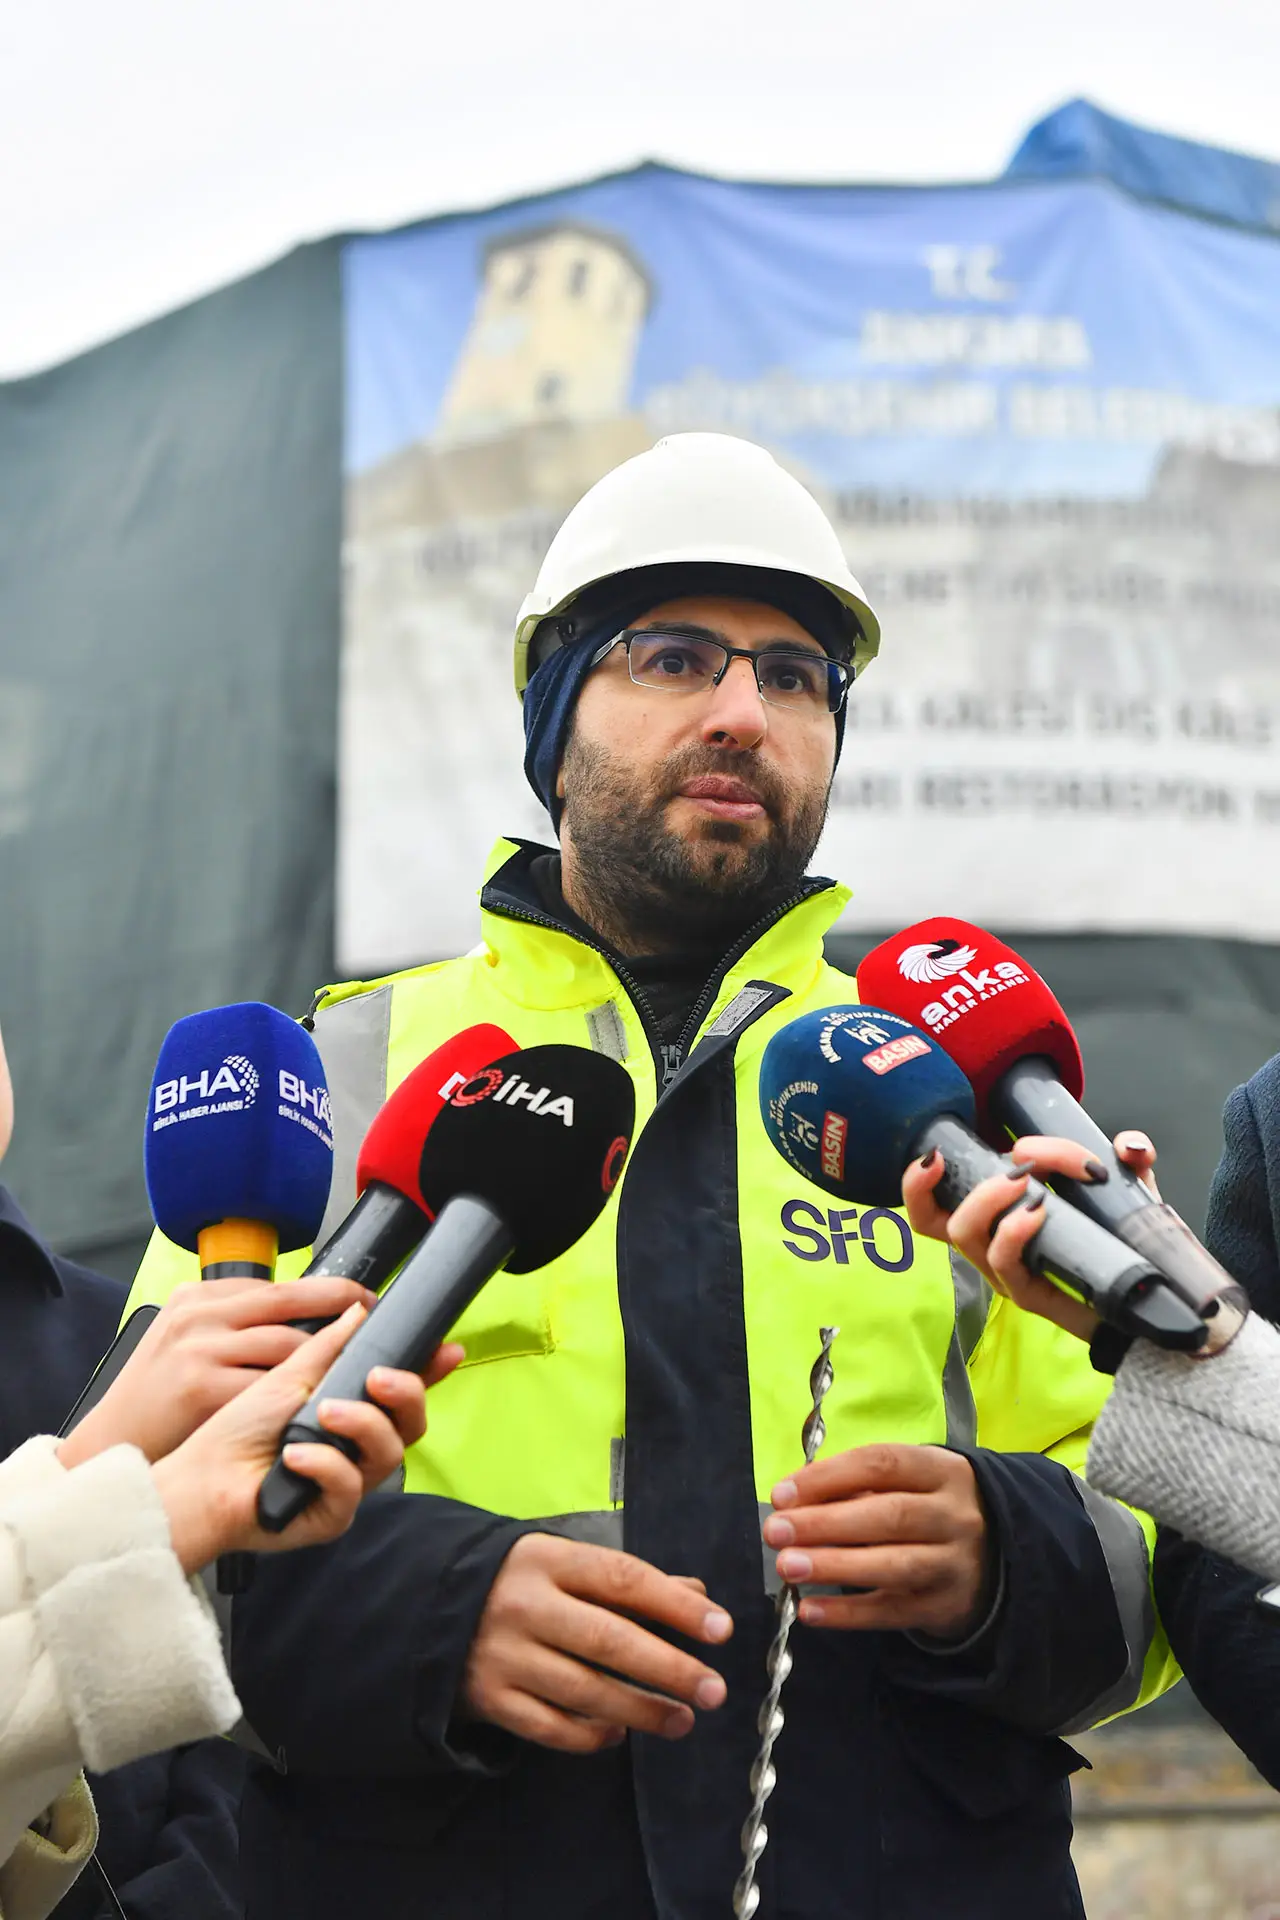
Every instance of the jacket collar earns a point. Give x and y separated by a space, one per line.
556 968
22 1251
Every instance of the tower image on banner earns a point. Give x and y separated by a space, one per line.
554 334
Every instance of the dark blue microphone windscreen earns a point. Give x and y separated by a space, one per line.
845 1093
239 1126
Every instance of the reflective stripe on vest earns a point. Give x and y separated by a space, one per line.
530 1426
909 1324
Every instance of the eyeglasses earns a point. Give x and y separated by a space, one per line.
673 662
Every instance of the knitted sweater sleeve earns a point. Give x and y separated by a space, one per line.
1197 1444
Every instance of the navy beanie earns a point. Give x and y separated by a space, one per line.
554 686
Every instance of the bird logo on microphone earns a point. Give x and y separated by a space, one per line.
935 960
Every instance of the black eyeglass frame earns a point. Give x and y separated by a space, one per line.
839 673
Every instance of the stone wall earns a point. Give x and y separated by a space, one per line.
1173 1823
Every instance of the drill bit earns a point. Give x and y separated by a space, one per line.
770 1720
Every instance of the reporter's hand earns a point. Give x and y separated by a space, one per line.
210 1484
209 1341
905 1523
991 1229
556 1614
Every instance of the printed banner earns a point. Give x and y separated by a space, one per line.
1045 421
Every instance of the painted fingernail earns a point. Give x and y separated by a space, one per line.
779 1532
1019 1169
785 1494
711 1691
716 1626
676 1724
1096 1174
1135 1143
794 1566
812 1612
929 1158
1030 1201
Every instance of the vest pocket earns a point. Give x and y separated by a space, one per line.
509 1318
984 1767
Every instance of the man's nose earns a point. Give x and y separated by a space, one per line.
735 715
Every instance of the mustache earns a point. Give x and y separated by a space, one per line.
735 763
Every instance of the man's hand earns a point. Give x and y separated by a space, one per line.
904 1523
209 1341
556 1615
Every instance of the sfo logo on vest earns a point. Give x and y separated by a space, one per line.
872 1233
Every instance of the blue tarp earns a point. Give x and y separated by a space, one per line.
1081 139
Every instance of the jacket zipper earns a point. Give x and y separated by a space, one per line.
631 985
705 1000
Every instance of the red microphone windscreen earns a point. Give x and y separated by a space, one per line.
392 1149
979 1000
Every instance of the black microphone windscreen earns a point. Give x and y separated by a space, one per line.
542 1135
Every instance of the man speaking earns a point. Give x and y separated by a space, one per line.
529 1684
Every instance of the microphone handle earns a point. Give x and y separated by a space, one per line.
110 1367
1069 1248
1030 1098
466 1246
237 1249
381 1230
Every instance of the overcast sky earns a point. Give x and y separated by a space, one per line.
153 149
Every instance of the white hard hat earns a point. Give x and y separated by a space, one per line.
693 499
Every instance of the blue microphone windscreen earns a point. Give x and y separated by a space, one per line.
239 1126
845 1092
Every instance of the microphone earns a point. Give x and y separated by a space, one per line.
1004 1028
239 1141
518 1164
390 1215
238 1159
851 1095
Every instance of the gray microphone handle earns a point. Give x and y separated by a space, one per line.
1030 1098
1069 1248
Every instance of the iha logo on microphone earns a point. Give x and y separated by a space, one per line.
236 1079
948 960
614 1161
507 1090
306 1106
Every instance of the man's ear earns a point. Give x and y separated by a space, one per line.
560 782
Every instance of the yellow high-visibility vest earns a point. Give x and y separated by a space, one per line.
534 1424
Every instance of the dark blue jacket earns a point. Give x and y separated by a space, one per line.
1229 1648
168 1839
911 1785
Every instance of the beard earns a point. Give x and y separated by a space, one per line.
649 889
